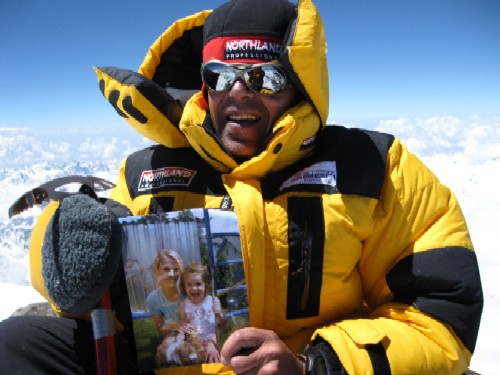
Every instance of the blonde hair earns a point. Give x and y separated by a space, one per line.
196 268
162 256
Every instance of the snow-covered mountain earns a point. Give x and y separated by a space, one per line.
15 233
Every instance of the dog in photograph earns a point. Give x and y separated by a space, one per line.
180 350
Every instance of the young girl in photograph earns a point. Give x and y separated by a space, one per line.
200 308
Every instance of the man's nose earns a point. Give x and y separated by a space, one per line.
240 90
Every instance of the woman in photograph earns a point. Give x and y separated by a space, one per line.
163 302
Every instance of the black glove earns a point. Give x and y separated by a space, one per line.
322 360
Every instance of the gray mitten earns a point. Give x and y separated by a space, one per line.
81 253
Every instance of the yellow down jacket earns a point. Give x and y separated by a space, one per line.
345 234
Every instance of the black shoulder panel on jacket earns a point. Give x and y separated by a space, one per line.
361 157
445 283
158 168
357 156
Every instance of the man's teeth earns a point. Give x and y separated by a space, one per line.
243 118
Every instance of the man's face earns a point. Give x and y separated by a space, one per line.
243 118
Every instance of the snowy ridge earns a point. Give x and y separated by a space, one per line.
15 233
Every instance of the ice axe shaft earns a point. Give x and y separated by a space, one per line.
104 336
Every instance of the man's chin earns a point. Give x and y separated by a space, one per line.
240 150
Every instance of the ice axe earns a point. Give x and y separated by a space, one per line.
58 189
103 322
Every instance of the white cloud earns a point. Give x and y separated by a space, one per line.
473 137
24 146
99 148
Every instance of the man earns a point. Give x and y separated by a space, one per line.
357 259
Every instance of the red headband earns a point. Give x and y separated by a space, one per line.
248 49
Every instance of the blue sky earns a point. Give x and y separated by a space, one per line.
387 58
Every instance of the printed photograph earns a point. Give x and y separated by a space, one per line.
186 285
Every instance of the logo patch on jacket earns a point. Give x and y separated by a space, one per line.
322 173
159 178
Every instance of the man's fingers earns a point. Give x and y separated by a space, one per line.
246 364
245 338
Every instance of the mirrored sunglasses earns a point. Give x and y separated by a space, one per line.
266 78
